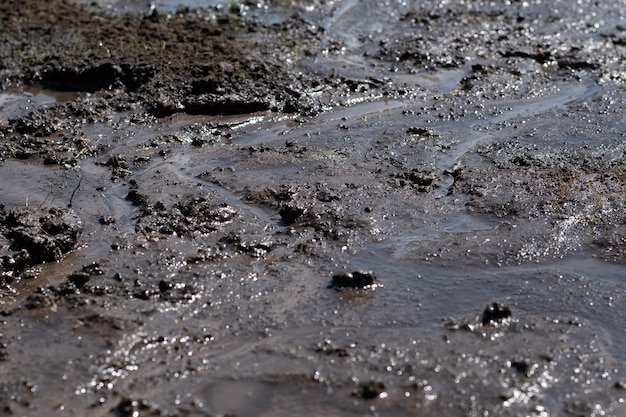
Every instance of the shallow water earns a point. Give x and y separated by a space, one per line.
18 102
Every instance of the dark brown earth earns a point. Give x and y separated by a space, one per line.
312 208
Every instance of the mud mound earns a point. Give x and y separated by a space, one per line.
34 236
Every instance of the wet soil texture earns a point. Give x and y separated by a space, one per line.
401 208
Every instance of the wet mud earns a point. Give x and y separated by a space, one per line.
312 208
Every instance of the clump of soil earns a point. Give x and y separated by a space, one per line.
356 279
33 236
65 47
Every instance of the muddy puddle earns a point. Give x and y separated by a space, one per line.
406 208
19 101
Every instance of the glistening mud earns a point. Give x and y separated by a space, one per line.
312 208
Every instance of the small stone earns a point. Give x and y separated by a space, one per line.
291 214
106 220
371 390
355 279
165 286
522 367
419 131
496 314
620 385
452 324
79 279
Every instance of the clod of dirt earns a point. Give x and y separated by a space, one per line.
420 131
496 314
524 367
422 181
129 407
371 390
119 167
136 198
37 236
290 214
79 279
106 220
620 385
355 279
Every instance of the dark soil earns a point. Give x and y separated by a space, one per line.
312 208
35 237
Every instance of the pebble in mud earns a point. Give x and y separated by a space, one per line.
496 314
355 279
130 407
371 390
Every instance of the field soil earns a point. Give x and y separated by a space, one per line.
401 208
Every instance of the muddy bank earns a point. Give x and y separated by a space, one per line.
312 208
